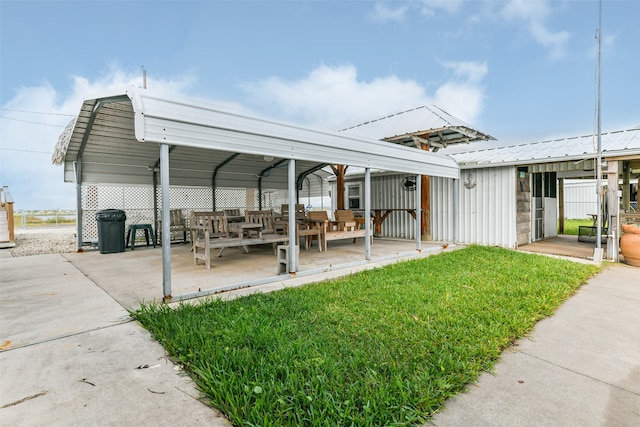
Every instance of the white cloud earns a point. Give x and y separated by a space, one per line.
535 14
328 97
334 97
429 7
470 72
383 13
31 123
463 92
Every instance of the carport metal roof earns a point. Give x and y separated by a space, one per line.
116 137
560 155
127 137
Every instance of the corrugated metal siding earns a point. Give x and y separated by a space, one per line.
442 209
488 211
387 192
579 199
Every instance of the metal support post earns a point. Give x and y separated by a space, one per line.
166 237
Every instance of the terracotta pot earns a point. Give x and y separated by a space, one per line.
630 244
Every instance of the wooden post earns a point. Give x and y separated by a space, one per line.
425 202
339 171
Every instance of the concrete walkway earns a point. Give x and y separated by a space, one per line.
580 367
70 355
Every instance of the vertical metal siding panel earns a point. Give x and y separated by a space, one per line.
442 209
579 199
487 212
387 192
466 213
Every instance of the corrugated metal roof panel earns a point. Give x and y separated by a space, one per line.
619 143
427 121
123 132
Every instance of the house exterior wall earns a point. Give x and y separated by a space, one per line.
487 210
442 208
388 191
487 207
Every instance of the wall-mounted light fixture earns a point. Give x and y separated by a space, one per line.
268 158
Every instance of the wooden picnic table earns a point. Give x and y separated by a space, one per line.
246 229
232 219
379 215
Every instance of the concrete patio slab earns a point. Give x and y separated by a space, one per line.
131 277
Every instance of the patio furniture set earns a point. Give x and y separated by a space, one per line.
216 230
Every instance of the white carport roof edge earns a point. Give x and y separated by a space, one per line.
184 122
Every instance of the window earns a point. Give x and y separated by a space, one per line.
353 196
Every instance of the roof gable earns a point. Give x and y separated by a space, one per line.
427 124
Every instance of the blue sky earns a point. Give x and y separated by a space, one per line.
520 70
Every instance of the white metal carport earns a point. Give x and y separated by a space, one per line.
130 136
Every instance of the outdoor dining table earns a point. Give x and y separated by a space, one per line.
380 215
246 229
235 218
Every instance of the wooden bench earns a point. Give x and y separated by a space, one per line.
178 225
205 228
283 217
269 231
308 229
265 218
346 221
211 230
345 226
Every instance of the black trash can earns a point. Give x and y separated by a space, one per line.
111 230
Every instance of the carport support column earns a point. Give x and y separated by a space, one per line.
79 212
166 237
367 214
293 239
418 213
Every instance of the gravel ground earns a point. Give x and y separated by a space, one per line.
39 241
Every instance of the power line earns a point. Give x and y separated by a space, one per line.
32 122
26 151
37 112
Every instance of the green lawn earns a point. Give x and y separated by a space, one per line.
571 225
381 347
